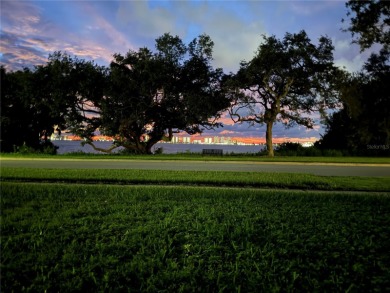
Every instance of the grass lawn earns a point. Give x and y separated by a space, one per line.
83 237
208 178
186 231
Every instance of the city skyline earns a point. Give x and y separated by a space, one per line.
200 139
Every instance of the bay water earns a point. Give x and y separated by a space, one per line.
67 146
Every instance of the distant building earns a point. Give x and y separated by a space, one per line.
208 140
175 139
307 144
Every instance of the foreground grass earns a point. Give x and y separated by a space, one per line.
199 157
211 178
62 237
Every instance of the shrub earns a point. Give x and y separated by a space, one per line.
312 152
289 149
158 151
332 153
47 148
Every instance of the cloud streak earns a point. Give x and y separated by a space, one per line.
235 39
28 37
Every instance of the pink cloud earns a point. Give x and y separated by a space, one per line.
225 119
28 37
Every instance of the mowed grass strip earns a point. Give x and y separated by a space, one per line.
211 178
200 157
74 237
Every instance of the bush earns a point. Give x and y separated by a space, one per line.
158 151
289 149
296 149
24 149
332 153
46 147
312 152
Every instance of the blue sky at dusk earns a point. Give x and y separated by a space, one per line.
31 30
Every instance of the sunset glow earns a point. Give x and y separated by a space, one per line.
203 139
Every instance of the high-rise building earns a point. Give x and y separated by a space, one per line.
175 139
208 140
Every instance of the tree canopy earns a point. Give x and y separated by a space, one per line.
142 98
27 117
362 126
285 80
152 95
370 22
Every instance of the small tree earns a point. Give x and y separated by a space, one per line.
284 81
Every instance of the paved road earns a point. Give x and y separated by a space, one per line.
313 168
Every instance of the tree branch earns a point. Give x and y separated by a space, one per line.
108 151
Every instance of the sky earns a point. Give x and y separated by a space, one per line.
97 29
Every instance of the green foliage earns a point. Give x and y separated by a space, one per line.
296 149
142 98
151 95
286 80
24 149
60 93
76 86
362 127
45 148
288 148
159 151
61 237
370 21
312 152
27 118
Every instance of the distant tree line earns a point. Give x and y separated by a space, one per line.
146 96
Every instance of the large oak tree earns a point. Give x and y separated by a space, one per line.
150 95
286 81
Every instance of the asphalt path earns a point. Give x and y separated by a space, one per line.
323 169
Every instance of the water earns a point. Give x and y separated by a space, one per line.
66 146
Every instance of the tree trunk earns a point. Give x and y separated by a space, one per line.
152 141
148 149
268 138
